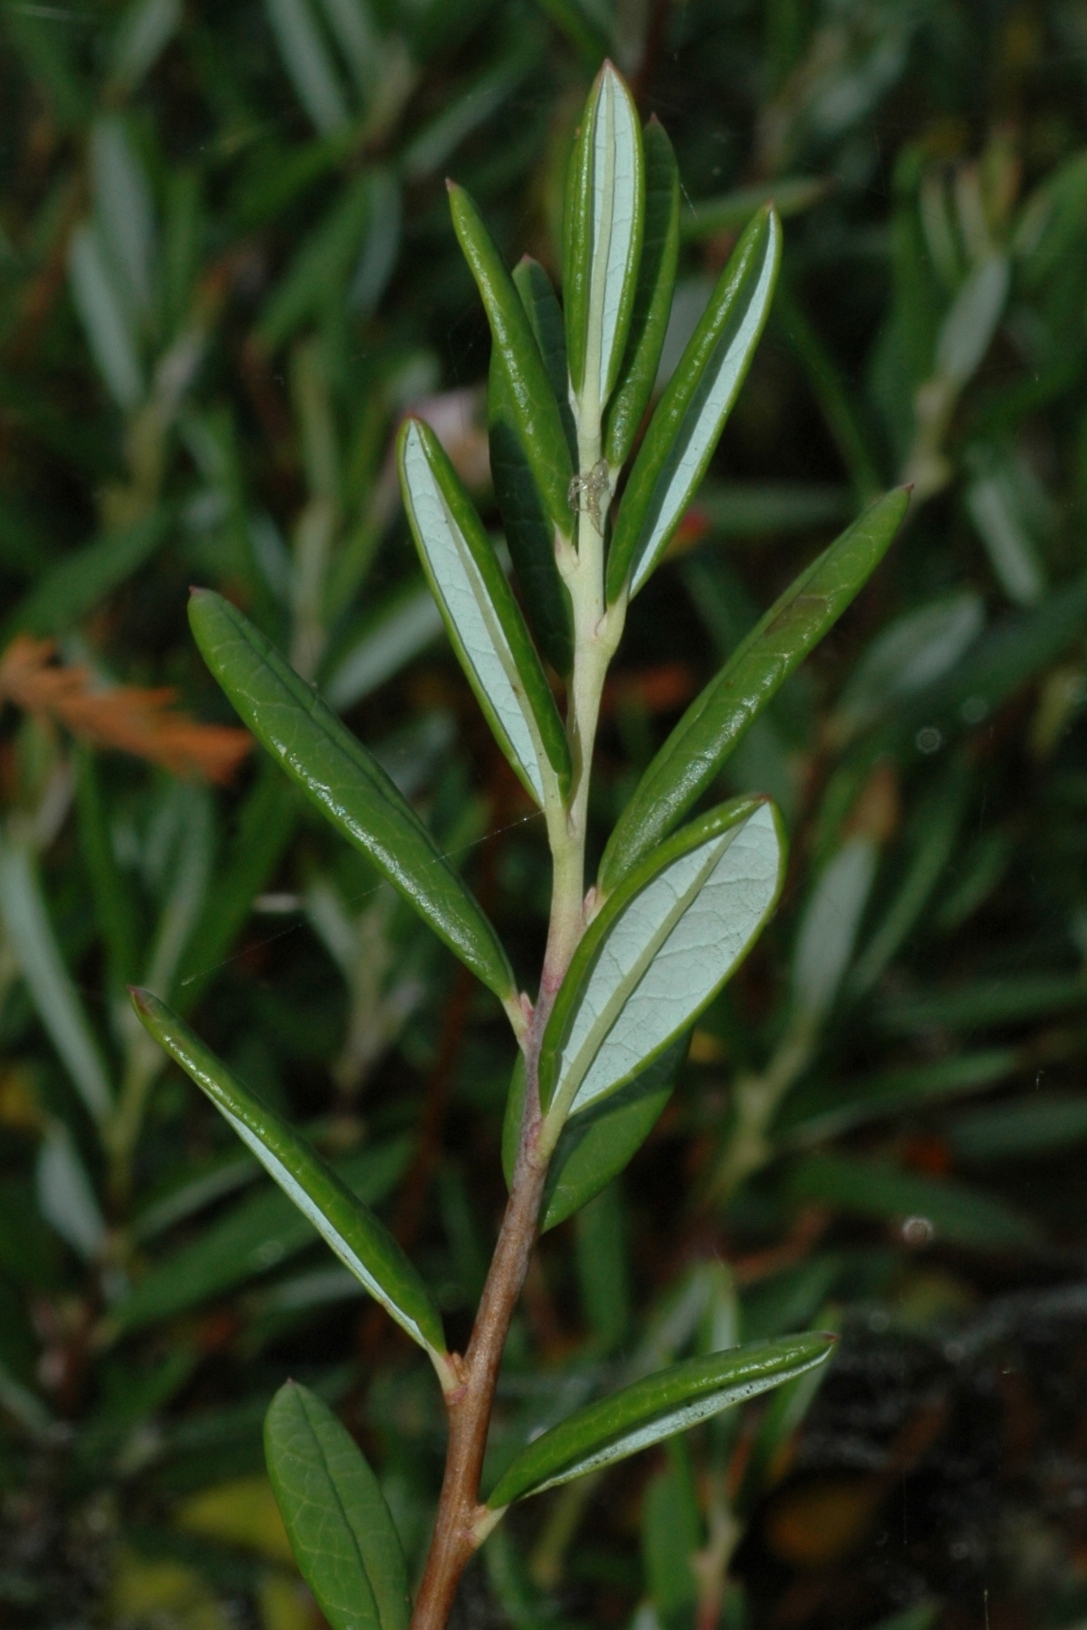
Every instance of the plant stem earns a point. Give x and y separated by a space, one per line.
597 630
454 1540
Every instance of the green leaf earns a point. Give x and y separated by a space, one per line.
659 951
481 615
529 533
718 719
652 297
640 1415
781 1420
339 1526
530 400
602 246
545 315
690 415
361 1242
345 782
595 1145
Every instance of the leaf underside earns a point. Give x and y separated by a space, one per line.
648 1411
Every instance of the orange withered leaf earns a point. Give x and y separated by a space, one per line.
130 717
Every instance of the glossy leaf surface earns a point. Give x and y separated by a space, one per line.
597 1144
640 1415
652 297
344 781
545 316
603 240
659 951
691 413
531 400
362 1243
718 719
339 1526
480 613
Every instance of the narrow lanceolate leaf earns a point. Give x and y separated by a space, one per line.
340 1529
652 297
531 400
640 1415
362 1243
481 615
545 316
605 210
345 781
658 953
597 1144
717 720
691 414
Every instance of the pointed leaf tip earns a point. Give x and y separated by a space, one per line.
654 1409
533 409
351 1230
717 720
603 240
691 414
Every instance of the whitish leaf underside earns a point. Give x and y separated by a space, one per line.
667 953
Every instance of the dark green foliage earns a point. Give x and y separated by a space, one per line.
226 270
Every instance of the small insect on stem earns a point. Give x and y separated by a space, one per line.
591 493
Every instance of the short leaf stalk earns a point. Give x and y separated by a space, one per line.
677 903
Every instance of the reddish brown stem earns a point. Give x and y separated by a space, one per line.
453 1542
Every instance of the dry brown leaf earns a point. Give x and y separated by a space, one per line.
135 719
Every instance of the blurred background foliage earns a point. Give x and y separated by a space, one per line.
226 268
